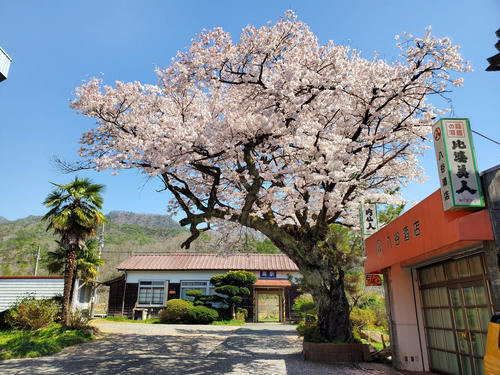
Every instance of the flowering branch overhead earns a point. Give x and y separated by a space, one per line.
276 130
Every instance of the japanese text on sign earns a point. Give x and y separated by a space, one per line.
407 233
369 219
372 279
458 176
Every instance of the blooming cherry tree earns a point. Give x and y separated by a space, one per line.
278 133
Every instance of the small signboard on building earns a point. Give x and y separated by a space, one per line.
457 168
369 218
373 279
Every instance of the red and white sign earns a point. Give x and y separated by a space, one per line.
373 279
456 161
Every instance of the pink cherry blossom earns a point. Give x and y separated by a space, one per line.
275 127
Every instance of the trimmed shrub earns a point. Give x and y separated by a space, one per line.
31 313
231 288
202 315
176 311
198 298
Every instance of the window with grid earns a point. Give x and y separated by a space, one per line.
205 287
151 293
457 305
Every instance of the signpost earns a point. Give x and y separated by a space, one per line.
456 161
369 219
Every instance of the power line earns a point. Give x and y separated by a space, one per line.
482 135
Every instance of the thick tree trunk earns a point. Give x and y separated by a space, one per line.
323 277
321 263
71 294
68 279
333 309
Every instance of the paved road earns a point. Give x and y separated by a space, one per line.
132 348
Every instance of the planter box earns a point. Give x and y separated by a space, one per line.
333 353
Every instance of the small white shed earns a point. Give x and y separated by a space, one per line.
13 288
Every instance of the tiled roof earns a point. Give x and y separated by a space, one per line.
178 261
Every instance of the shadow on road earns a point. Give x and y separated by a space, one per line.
254 350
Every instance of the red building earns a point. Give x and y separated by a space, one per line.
442 282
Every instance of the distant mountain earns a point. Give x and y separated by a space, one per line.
143 220
19 241
125 234
24 221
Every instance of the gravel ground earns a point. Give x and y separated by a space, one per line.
133 348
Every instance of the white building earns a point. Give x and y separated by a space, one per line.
13 288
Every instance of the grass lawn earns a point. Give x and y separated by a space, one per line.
270 319
27 344
121 319
228 323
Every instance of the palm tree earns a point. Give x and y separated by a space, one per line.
87 262
74 215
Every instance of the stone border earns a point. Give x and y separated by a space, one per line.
335 353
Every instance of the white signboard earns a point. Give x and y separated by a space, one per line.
369 218
456 161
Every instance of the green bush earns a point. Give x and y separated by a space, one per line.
176 311
3 319
360 318
231 288
377 305
202 315
198 297
303 308
310 332
31 313
241 314
78 320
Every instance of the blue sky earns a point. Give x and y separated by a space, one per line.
57 44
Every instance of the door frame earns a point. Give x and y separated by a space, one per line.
280 292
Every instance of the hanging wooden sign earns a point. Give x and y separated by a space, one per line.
373 279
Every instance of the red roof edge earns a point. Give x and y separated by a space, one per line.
31 277
271 283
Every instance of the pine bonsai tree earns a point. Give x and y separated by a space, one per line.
231 288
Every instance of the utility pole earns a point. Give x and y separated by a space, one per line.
94 286
37 259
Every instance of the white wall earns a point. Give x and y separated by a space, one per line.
178 276
79 288
404 318
13 289
171 276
